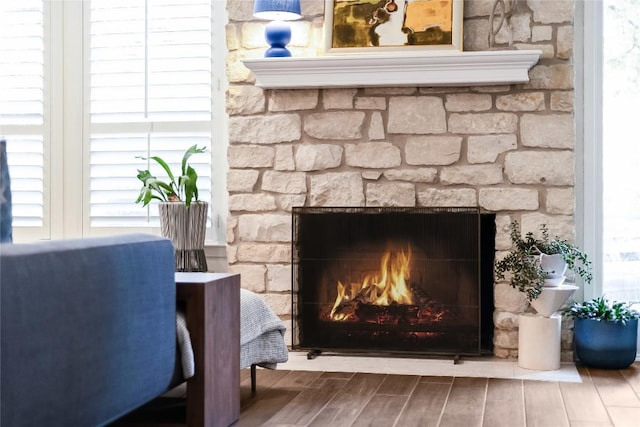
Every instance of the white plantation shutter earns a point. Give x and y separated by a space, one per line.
22 99
150 73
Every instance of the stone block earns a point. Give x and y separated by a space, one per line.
371 175
264 228
508 199
250 156
454 197
242 181
318 157
335 125
253 276
251 202
565 42
503 230
245 99
558 225
556 76
416 115
279 303
483 123
232 223
336 189
376 127
541 33
284 182
287 201
432 150
475 8
551 12
372 155
371 103
560 201
412 175
391 194
279 277
293 99
475 34
264 253
252 35
505 320
471 174
508 299
540 167
520 30
271 129
558 131
338 99
523 101
468 102
284 158
562 101
487 148
505 339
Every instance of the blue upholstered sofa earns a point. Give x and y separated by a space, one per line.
88 328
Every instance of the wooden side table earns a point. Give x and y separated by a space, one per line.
213 319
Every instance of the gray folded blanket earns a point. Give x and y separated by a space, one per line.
261 333
261 336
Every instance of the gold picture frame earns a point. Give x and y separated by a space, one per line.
377 26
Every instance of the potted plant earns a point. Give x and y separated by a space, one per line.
527 265
183 217
605 333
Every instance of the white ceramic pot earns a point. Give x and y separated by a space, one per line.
555 267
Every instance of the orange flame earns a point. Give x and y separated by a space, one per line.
389 285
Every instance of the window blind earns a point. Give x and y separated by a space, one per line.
150 73
22 101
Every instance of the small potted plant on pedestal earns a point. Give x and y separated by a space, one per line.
605 333
183 217
529 262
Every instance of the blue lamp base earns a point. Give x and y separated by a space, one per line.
277 34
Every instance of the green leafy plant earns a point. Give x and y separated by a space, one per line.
183 188
602 310
522 261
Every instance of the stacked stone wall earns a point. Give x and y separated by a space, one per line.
508 149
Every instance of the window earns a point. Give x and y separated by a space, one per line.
621 150
22 99
122 80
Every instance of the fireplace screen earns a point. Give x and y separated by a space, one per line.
391 280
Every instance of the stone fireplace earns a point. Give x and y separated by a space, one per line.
504 149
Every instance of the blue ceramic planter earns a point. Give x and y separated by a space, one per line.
605 345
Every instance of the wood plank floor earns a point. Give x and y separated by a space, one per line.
302 398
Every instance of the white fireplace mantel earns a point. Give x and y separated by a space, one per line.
445 68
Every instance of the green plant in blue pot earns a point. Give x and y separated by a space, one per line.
605 333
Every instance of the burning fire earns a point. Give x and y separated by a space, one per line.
389 285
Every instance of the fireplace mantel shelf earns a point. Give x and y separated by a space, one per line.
444 68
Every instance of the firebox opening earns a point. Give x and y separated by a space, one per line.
410 280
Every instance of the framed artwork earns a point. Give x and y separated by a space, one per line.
376 26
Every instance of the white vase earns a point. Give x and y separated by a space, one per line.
554 266
186 227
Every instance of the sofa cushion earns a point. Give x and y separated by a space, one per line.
88 328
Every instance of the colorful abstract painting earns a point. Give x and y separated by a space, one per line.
370 24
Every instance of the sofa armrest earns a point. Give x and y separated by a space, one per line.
88 328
